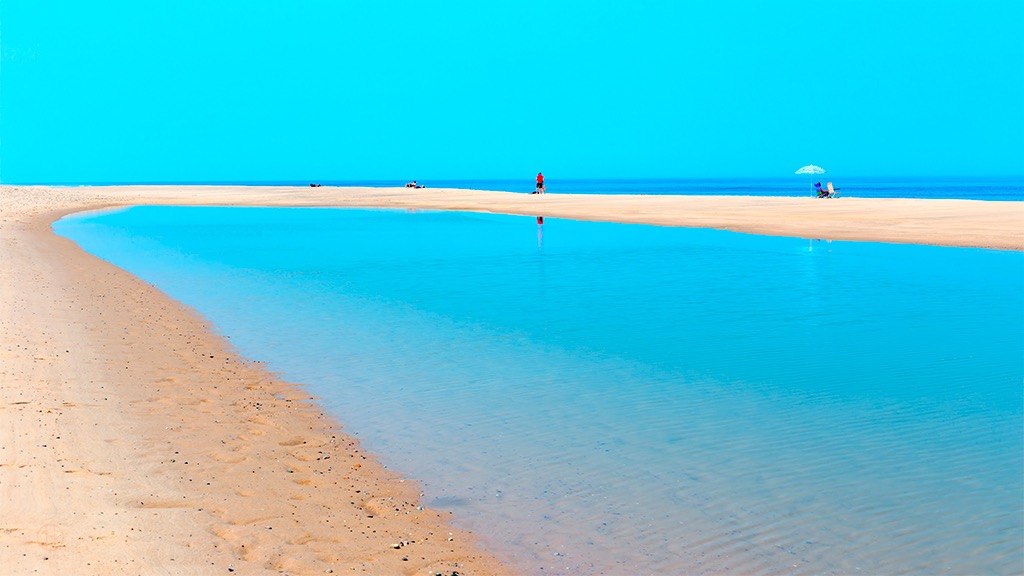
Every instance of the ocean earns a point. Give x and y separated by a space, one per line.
871 187
992 188
600 398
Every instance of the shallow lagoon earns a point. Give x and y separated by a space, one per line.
608 398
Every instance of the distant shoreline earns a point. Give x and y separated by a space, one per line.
941 222
996 188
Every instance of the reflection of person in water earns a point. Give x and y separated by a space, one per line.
540 219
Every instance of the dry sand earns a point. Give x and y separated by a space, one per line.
135 441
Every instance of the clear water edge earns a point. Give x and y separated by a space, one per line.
774 434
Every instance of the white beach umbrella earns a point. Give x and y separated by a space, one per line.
811 169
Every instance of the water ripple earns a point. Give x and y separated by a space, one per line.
642 400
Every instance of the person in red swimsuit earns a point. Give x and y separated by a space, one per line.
540 184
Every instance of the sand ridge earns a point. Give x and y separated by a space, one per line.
134 440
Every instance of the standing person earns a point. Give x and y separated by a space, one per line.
540 183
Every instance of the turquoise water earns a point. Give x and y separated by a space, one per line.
597 398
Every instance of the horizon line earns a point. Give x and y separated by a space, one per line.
399 182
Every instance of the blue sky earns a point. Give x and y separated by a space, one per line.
184 90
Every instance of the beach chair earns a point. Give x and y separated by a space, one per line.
832 192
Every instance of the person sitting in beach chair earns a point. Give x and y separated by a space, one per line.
827 192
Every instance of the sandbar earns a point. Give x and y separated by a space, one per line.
135 440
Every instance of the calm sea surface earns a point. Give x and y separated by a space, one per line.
1001 188
598 398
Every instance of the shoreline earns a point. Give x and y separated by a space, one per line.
136 440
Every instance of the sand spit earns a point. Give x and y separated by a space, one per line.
965 223
134 441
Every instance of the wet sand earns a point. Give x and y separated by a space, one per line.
134 440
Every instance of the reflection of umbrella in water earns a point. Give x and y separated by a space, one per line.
811 169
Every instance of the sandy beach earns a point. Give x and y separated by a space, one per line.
134 440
